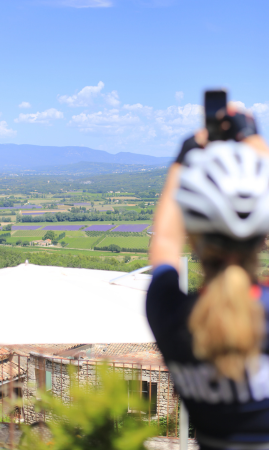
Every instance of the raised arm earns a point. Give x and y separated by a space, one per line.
169 234
168 238
167 242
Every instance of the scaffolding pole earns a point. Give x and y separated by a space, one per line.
184 416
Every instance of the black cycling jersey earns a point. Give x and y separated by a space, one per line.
187 145
226 414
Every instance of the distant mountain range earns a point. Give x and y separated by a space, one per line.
80 160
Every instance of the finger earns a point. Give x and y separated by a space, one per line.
201 137
221 113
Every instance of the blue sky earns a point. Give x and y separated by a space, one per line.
126 75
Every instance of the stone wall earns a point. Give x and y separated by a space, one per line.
86 373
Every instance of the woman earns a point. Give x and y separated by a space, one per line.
215 343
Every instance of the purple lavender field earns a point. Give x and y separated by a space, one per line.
62 227
30 213
30 227
21 207
99 228
30 206
131 228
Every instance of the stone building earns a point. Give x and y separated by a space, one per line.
140 365
12 376
44 243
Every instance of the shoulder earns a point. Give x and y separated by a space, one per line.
187 145
167 306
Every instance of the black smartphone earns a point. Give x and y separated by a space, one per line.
214 100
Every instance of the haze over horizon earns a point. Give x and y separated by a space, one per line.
126 75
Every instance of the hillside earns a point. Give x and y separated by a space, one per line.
15 157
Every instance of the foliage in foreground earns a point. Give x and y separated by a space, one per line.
91 420
11 257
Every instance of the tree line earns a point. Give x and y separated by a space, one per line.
13 257
81 217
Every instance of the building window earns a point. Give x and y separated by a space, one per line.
43 377
48 380
148 392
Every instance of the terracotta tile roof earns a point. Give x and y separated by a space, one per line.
130 355
4 353
48 349
123 349
10 370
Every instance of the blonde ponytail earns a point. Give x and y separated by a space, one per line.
227 323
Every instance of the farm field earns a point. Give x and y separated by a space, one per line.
73 234
28 233
13 240
125 241
86 242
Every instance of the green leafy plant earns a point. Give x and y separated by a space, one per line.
91 419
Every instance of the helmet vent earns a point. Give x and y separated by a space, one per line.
221 165
211 179
258 166
184 188
197 214
244 195
243 215
238 158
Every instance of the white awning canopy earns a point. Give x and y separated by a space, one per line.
43 304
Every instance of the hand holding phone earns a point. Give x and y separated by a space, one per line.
214 102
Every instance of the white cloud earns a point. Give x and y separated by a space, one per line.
5 131
179 96
141 125
138 108
178 120
260 108
110 121
24 105
135 107
40 117
112 98
261 114
78 3
84 97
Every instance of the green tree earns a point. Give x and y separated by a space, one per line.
19 242
127 258
7 227
63 243
95 419
25 243
49 235
54 242
114 248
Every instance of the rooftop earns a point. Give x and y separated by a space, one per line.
77 305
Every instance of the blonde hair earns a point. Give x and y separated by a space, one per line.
227 323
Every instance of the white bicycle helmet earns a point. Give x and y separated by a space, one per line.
225 189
